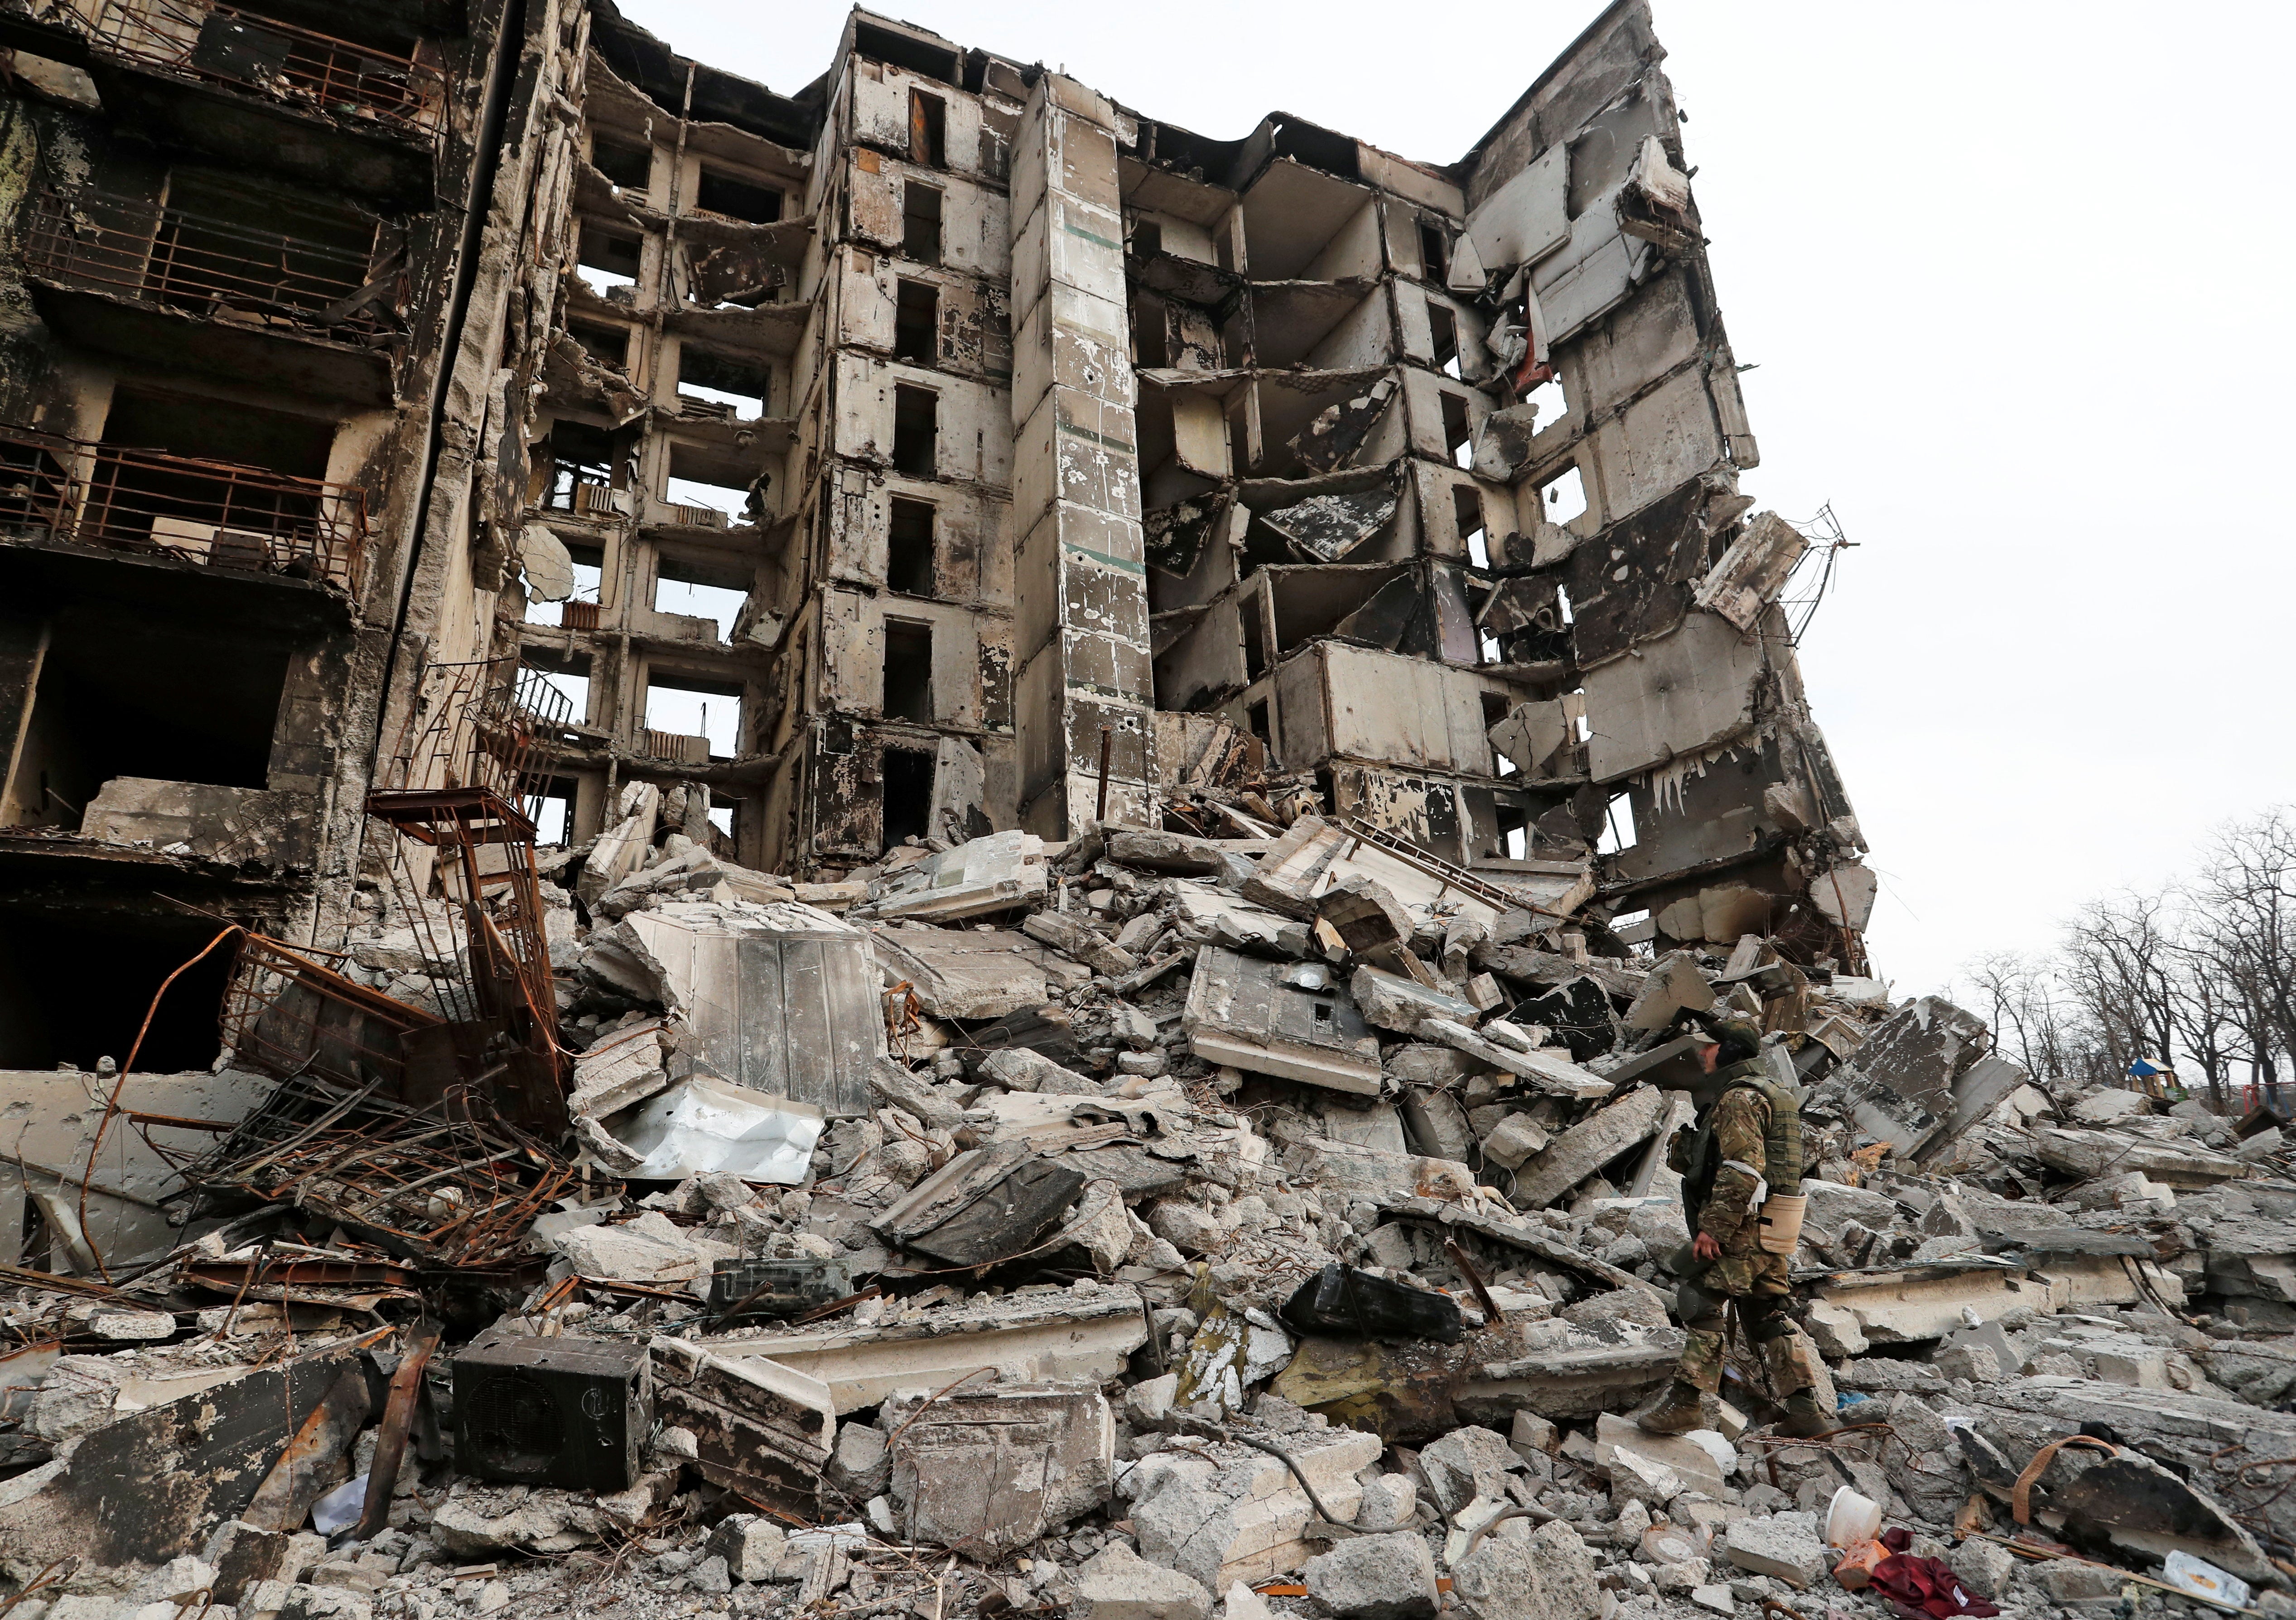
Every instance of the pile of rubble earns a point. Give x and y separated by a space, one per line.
1137 1228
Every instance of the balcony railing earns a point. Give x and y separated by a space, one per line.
222 45
167 255
215 513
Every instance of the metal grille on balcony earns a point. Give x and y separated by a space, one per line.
215 513
221 43
172 256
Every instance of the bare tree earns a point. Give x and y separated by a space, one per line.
2205 1013
2117 962
2246 891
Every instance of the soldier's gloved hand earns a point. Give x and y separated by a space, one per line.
1704 1247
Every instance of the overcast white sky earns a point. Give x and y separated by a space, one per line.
2016 280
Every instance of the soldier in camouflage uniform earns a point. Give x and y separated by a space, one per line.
1744 1146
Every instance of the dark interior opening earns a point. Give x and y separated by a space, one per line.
921 222
1467 512
916 322
1445 327
1151 332
908 671
216 430
747 382
579 453
145 697
916 430
223 238
602 250
723 193
1256 717
75 985
626 163
909 548
908 781
1147 239
927 130
902 50
1255 642
1457 429
606 343
1434 251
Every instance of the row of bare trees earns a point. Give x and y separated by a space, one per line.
2198 976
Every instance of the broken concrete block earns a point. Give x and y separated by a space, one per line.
1586 1147
762 1429
1394 1002
2070 1580
1466 1463
1983 1566
1692 1463
1530 1433
1185 1227
1117 1583
1515 1139
1379 1577
1548 1575
1389 1502
648 1250
1674 984
1073 936
988 1473
1366 915
1235 1514
1024 1069
752 1546
1786 1545
1289 1019
861 1467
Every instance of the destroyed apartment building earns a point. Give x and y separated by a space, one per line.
923 849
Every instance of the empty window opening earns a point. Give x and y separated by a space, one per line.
1256 717
1467 512
1147 239
909 548
554 822
579 611
679 705
220 238
1562 602
1255 643
1550 404
610 345
606 261
1458 429
921 222
1564 496
917 323
701 589
1151 338
1444 326
723 382
1434 252
1514 833
908 671
1495 710
737 199
198 514
916 430
1618 826
581 467
570 675
628 164
721 817
696 479
216 430
76 985
908 786
927 130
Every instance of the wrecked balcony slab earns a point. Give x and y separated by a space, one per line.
236 826
969 974
1290 1019
759 1428
1315 856
1082 1333
1850 1312
2184 1165
1684 692
782 998
1000 872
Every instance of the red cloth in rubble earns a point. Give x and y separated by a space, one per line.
1925 1589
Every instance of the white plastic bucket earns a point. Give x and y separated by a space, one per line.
1851 1519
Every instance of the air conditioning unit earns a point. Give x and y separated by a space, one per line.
564 1412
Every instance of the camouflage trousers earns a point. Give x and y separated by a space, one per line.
1758 1285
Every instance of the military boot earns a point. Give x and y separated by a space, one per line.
1805 1417
1683 1407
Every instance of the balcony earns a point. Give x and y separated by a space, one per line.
210 514
207 291
258 91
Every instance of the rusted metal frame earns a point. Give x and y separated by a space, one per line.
390 1440
318 67
128 248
